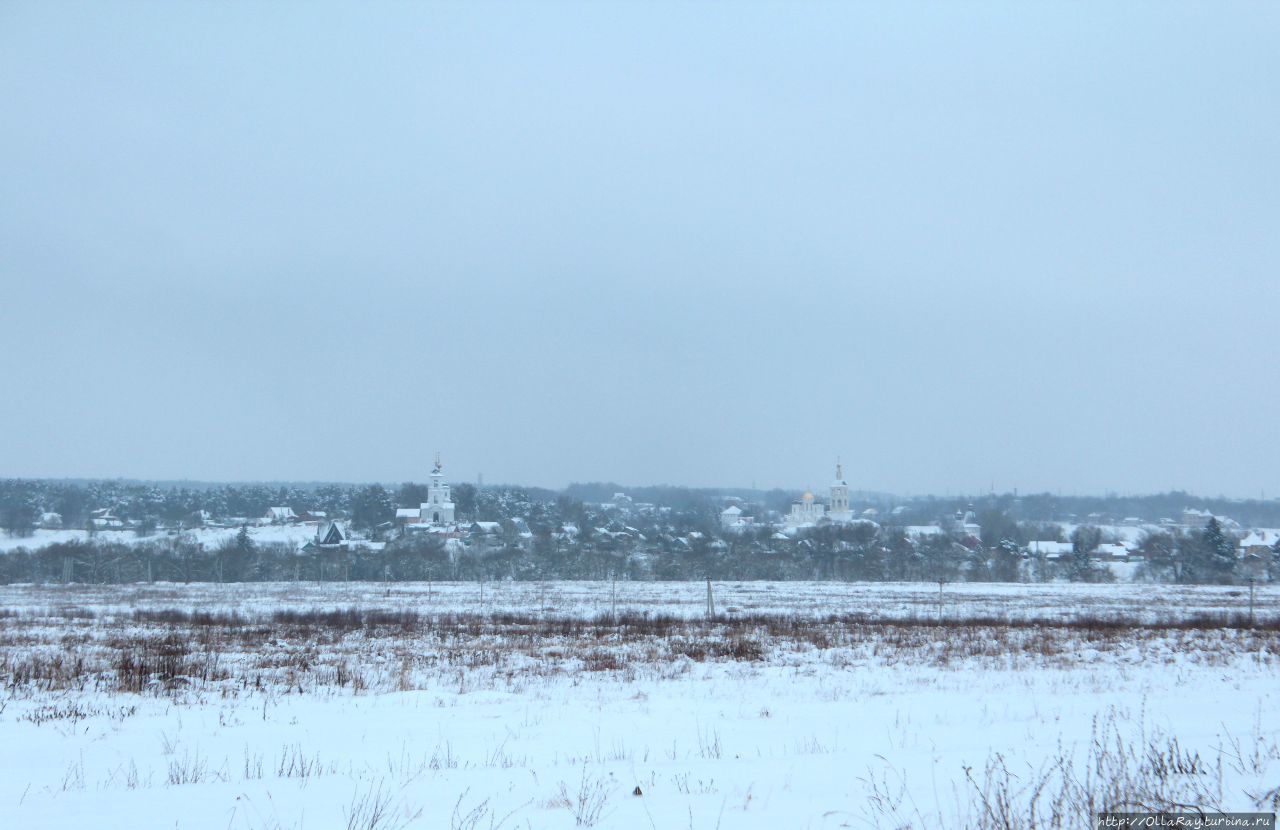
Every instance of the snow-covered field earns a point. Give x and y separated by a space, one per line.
526 706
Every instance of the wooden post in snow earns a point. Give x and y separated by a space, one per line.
711 602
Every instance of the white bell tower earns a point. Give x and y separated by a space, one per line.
838 504
438 508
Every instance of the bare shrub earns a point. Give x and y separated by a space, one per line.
374 809
1151 774
471 819
189 768
587 803
295 764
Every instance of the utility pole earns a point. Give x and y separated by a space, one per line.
1252 582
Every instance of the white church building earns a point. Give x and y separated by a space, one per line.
810 511
437 510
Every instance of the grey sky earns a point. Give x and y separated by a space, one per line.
1033 245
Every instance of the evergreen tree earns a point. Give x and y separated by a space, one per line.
1218 550
1083 542
244 542
1006 562
20 515
940 558
464 499
410 494
371 506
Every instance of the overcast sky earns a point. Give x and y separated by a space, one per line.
960 245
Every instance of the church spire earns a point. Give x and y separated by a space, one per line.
839 470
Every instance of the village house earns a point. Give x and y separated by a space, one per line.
1195 519
733 520
1051 551
279 516
104 519
332 535
1110 552
1257 551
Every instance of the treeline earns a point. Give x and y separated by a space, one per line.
418 558
857 553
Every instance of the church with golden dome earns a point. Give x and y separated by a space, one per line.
809 511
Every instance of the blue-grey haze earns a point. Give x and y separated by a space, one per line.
1030 245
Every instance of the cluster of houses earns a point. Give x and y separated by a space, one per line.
1255 546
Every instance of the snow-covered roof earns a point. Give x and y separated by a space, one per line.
332 534
408 513
1261 536
731 510
1049 548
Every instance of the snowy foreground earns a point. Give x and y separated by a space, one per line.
528 706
